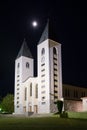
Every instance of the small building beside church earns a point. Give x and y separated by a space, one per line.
38 94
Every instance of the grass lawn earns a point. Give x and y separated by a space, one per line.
79 115
45 123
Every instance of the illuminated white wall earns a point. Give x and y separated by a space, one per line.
30 101
57 46
21 74
84 103
48 103
45 80
43 86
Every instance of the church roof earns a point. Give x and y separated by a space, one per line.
48 33
24 51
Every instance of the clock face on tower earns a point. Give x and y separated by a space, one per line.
43 59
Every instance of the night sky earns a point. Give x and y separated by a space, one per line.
69 20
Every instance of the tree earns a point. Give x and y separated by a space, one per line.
0 99
59 105
7 103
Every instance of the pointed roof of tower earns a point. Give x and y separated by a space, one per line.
48 33
45 34
24 51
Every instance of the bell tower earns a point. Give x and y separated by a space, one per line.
23 70
49 72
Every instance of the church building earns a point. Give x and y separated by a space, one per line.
38 94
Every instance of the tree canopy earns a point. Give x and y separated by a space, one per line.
7 103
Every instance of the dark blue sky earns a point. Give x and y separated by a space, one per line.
68 17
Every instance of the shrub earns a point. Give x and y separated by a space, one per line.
64 114
59 106
7 104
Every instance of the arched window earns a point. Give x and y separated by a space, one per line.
18 65
36 91
42 51
54 50
30 89
27 65
25 94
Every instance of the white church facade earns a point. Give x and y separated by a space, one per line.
38 94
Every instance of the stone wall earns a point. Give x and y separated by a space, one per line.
72 105
53 107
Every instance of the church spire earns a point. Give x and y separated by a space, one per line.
45 34
24 51
49 32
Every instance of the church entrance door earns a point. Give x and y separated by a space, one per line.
35 109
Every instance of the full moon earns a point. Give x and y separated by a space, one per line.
34 23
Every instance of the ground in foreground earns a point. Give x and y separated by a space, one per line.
45 123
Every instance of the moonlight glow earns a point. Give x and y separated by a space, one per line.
34 23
